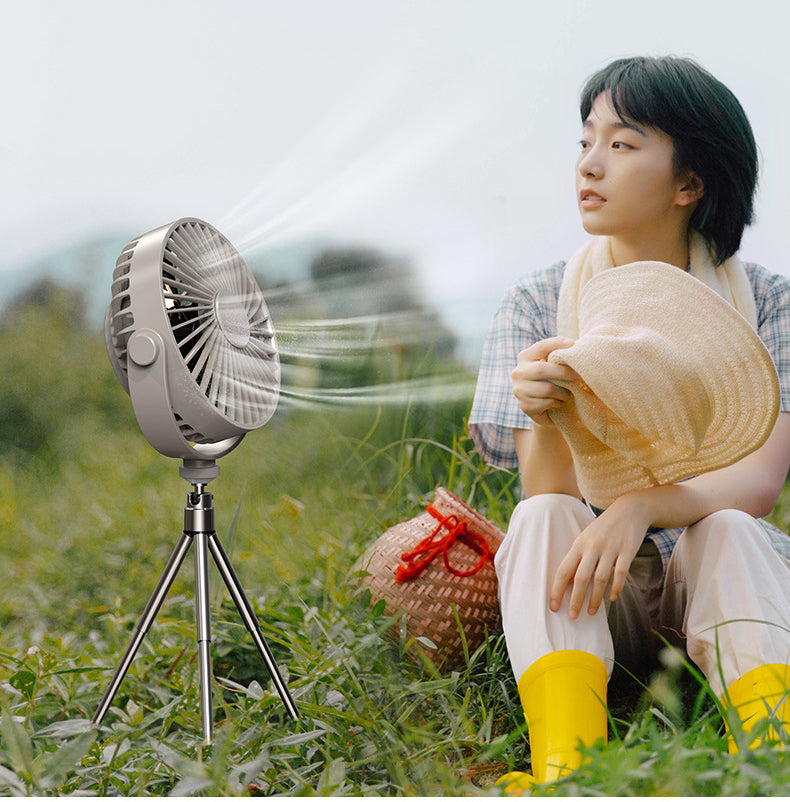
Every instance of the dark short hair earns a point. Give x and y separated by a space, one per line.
709 128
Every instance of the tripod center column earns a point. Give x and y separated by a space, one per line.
199 524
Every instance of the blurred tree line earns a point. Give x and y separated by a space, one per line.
359 322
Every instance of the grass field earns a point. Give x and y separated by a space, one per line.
89 514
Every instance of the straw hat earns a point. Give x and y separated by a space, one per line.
448 569
674 382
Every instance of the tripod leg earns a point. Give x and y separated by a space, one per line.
203 619
250 621
144 624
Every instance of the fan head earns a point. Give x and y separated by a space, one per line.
190 339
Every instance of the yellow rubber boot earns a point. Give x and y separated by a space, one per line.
759 694
564 699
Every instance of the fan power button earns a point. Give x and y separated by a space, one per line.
143 348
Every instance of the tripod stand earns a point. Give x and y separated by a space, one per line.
198 529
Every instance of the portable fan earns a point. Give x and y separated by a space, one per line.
190 339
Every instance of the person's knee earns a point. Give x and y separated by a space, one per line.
542 524
724 522
712 554
549 505
721 531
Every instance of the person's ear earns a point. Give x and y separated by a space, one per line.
690 190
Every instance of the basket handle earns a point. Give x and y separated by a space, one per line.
426 551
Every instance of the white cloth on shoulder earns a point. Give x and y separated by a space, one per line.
729 279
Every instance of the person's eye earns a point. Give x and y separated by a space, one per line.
583 144
621 146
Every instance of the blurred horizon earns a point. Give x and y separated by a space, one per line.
284 272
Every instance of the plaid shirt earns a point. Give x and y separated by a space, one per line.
528 313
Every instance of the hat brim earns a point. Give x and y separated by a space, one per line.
674 382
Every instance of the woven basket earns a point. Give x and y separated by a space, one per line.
427 600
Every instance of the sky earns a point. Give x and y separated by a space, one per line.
444 130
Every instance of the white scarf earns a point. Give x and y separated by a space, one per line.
729 280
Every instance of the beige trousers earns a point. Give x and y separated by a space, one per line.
725 595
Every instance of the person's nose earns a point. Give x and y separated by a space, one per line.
591 163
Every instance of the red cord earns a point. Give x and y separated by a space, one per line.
428 548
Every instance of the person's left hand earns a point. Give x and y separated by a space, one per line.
604 550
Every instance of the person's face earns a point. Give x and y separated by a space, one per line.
626 181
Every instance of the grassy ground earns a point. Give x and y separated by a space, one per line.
88 518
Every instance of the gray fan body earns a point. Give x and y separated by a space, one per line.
190 339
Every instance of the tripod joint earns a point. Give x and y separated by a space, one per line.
199 511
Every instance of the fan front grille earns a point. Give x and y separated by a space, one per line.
221 325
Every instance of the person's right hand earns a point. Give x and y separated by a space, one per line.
533 380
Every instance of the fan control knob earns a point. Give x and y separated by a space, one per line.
143 348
